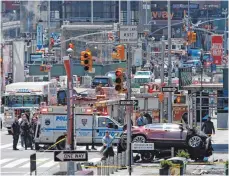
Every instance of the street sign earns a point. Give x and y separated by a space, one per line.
128 34
169 89
39 36
49 54
142 146
129 102
70 156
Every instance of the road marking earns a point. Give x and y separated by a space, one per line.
94 160
15 163
2 161
39 162
6 146
48 164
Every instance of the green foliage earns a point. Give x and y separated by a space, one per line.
183 154
166 164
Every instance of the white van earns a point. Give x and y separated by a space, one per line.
88 127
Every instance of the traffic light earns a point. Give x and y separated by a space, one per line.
193 37
43 68
189 37
119 52
119 80
86 60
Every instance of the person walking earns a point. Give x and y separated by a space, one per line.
15 129
21 121
26 133
107 146
208 127
35 125
141 121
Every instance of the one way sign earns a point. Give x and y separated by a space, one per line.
169 89
70 156
129 102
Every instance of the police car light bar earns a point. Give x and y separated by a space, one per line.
44 110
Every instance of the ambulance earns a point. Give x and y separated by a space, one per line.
89 126
24 97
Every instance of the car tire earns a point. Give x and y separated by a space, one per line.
139 139
195 142
60 145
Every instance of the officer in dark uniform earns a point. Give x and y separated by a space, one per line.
15 129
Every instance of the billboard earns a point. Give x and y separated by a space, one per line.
18 61
217 49
36 57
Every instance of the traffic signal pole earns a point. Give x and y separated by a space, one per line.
169 64
129 65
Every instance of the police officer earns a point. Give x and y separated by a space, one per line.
107 145
27 133
15 129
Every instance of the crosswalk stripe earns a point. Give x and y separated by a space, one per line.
15 163
48 164
39 162
2 161
6 145
94 160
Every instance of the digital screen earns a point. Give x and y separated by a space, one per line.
36 57
185 77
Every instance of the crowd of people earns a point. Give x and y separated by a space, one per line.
25 130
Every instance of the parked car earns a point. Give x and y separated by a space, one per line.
167 135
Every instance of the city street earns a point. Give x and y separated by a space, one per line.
18 162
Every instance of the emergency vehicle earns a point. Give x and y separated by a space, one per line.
89 126
26 97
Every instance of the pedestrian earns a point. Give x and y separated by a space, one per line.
107 146
21 120
141 121
27 115
15 129
35 125
208 127
26 130
148 118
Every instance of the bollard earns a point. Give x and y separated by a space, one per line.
99 171
172 152
119 161
112 165
102 167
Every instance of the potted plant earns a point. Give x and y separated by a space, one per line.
226 168
182 153
165 167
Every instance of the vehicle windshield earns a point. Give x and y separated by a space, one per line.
102 81
22 100
142 73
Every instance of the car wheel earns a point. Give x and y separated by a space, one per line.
194 141
139 139
61 145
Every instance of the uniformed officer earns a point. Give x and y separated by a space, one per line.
15 129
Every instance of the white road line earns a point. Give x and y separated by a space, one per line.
15 163
2 161
39 162
6 146
48 164
94 160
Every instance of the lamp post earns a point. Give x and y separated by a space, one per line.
225 12
70 110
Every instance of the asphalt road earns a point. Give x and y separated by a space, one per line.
18 162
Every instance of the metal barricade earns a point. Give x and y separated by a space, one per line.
99 168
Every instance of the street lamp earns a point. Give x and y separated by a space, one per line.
225 12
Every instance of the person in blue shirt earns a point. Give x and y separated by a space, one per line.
141 121
107 145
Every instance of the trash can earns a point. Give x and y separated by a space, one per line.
181 163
